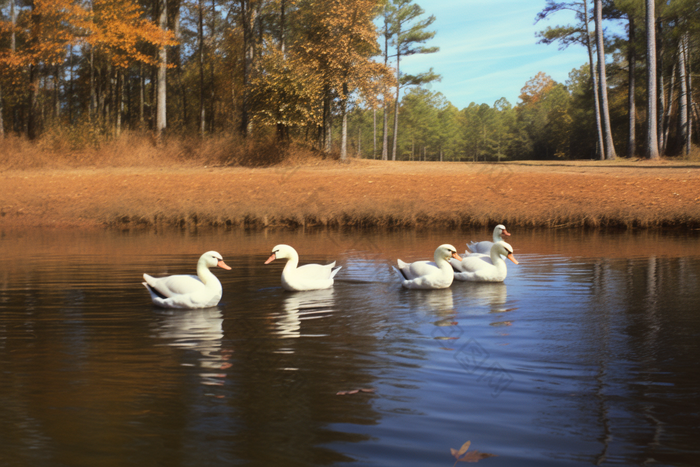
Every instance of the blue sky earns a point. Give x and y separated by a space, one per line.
488 49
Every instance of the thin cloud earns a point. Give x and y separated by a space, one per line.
488 50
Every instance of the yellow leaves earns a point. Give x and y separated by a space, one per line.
341 39
284 90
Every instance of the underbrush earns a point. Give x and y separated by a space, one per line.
87 146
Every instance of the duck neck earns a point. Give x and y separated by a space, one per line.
497 260
292 263
204 274
442 263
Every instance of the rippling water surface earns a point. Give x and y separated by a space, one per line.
587 354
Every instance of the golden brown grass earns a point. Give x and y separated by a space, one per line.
184 182
358 194
85 145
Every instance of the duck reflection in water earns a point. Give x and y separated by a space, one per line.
201 331
301 306
434 302
492 295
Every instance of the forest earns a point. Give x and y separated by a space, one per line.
324 76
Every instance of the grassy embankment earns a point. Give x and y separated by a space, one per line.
132 183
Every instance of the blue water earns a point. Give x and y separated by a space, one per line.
586 354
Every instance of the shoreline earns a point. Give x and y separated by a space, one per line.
358 194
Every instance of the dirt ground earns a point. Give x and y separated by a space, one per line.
360 193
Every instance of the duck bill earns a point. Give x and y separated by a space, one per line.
512 258
223 265
270 259
505 232
457 257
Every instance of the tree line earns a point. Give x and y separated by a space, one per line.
327 73
598 113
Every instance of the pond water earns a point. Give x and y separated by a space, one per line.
587 354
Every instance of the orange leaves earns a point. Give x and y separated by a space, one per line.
536 88
118 28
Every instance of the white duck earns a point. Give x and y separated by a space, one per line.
482 268
428 275
306 277
485 246
187 291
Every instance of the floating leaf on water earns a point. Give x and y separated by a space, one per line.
475 456
472 456
462 450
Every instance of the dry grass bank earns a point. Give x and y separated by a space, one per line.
313 193
85 146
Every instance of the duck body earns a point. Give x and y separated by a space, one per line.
297 278
484 247
430 275
187 291
478 267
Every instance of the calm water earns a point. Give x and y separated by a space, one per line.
587 354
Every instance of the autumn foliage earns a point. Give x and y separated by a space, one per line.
258 68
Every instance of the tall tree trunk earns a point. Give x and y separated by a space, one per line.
683 100
396 106
56 111
609 147
92 106
120 100
142 96
344 132
282 130
212 84
632 109
666 117
385 136
162 72
661 112
594 78
652 148
71 86
34 78
33 120
327 123
684 111
200 37
692 106
385 108
13 45
374 133
109 101
359 142
93 93
246 14
178 63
